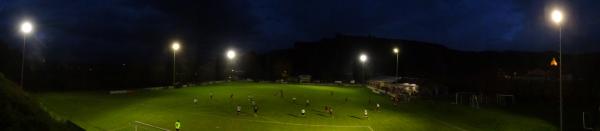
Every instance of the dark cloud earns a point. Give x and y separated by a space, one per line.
459 24
110 28
449 22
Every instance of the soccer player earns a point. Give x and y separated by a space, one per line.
346 100
378 107
211 95
330 111
366 114
255 110
307 102
302 111
231 96
177 125
239 109
281 93
195 100
253 103
294 99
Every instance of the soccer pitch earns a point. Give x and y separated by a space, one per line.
101 111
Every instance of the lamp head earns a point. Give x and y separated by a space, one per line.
363 58
175 46
230 54
557 16
26 27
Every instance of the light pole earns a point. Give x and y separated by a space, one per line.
557 17
396 51
175 46
231 56
26 28
363 60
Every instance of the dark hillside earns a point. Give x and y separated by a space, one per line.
20 112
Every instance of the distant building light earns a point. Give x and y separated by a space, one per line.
553 62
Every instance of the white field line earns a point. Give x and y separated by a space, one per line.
286 123
450 125
283 123
271 122
259 121
138 122
298 124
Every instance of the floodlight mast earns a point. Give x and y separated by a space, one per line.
396 51
363 60
557 17
26 29
231 55
175 47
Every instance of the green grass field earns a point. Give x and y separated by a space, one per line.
101 111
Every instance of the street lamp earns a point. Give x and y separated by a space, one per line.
175 46
231 56
396 51
26 29
363 60
557 17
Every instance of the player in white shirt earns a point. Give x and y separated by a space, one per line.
307 102
239 109
303 111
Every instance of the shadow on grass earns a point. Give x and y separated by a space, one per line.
293 115
319 111
321 114
356 117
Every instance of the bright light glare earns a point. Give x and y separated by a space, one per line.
175 46
557 16
396 50
26 27
363 58
230 54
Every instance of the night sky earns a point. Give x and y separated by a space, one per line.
106 29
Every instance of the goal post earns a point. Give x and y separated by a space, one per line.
141 126
585 120
459 97
505 99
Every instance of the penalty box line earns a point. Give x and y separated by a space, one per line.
286 123
298 124
272 122
146 124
